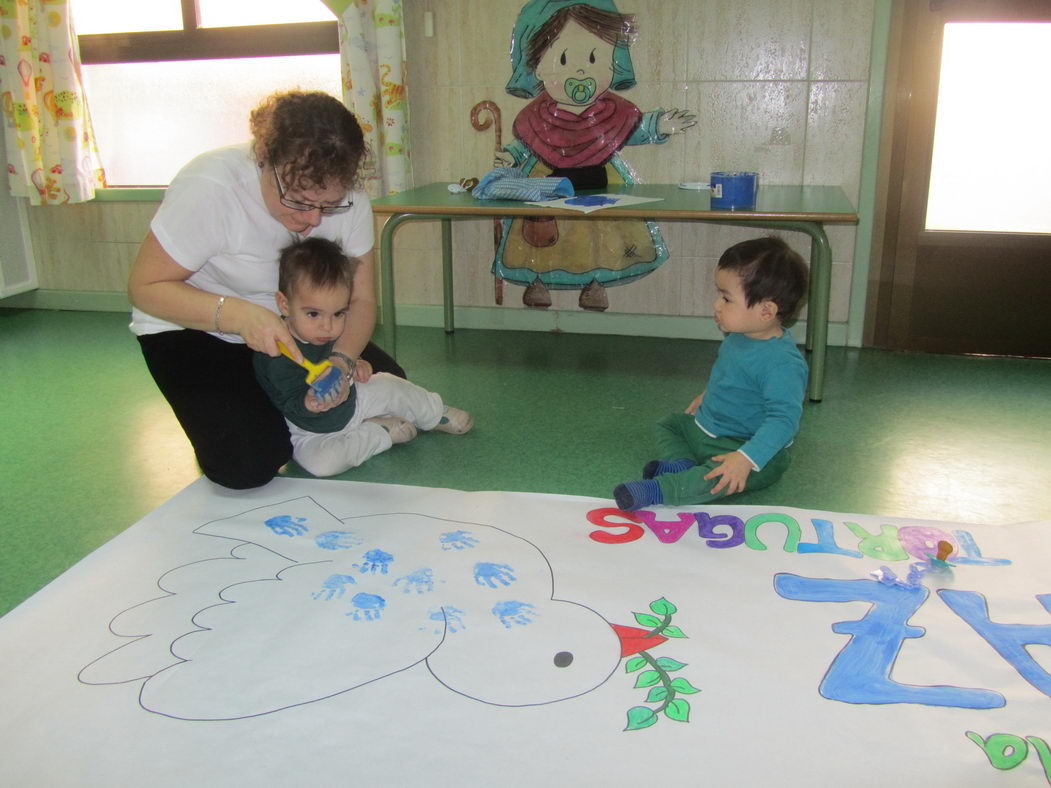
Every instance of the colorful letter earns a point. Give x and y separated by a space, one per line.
706 525
860 673
751 537
667 531
921 542
1004 750
1010 640
972 554
632 530
884 547
826 541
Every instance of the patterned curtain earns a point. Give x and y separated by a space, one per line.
372 53
51 152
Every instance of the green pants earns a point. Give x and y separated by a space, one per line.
678 437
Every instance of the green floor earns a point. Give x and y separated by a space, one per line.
89 445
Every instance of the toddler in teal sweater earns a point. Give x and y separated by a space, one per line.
735 434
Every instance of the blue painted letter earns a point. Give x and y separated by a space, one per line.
1010 640
860 673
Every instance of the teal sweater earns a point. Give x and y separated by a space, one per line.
285 382
755 393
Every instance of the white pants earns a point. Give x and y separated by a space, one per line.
329 453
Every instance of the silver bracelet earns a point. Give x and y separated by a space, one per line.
350 361
218 309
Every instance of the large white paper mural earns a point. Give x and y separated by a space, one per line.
323 632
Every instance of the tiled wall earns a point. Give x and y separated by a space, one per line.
778 86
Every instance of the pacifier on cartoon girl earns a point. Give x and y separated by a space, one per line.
567 55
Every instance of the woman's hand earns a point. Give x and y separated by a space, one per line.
260 328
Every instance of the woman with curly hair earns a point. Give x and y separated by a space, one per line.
202 287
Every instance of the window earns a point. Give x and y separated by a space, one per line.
169 79
990 167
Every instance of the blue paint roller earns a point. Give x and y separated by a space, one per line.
319 376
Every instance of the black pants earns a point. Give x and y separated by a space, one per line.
240 438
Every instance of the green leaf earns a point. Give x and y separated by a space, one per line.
682 685
657 694
670 664
640 717
672 632
647 620
647 679
662 607
634 664
678 710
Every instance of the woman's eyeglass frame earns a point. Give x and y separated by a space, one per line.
295 205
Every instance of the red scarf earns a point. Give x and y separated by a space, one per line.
561 139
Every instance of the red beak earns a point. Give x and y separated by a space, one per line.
633 640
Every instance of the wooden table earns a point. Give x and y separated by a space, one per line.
804 209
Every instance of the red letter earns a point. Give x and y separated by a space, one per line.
632 532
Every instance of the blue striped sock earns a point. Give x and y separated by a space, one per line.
635 495
657 467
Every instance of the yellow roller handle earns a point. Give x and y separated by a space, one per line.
314 371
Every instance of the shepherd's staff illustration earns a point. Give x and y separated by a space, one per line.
481 124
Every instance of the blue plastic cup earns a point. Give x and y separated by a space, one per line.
734 191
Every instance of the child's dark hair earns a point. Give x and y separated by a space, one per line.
317 262
770 271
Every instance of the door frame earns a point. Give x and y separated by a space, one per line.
907 143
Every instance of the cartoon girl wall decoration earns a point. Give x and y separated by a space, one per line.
567 55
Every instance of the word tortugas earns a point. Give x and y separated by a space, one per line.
723 531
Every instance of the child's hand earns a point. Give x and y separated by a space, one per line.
312 403
362 371
693 406
734 470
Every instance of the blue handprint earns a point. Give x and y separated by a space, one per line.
338 540
457 540
511 612
375 560
367 607
448 617
421 581
285 525
333 587
486 573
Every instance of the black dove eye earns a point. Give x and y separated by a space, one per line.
563 659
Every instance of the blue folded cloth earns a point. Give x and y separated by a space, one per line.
511 183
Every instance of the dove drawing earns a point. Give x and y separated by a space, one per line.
306 606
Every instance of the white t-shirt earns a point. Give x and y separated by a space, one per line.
213 221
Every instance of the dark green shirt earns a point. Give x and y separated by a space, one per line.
285 382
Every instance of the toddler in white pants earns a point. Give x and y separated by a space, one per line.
315 284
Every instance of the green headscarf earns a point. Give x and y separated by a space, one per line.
531 18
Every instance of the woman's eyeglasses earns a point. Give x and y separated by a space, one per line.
295 205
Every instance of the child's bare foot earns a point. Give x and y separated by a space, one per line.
455 421
400 430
